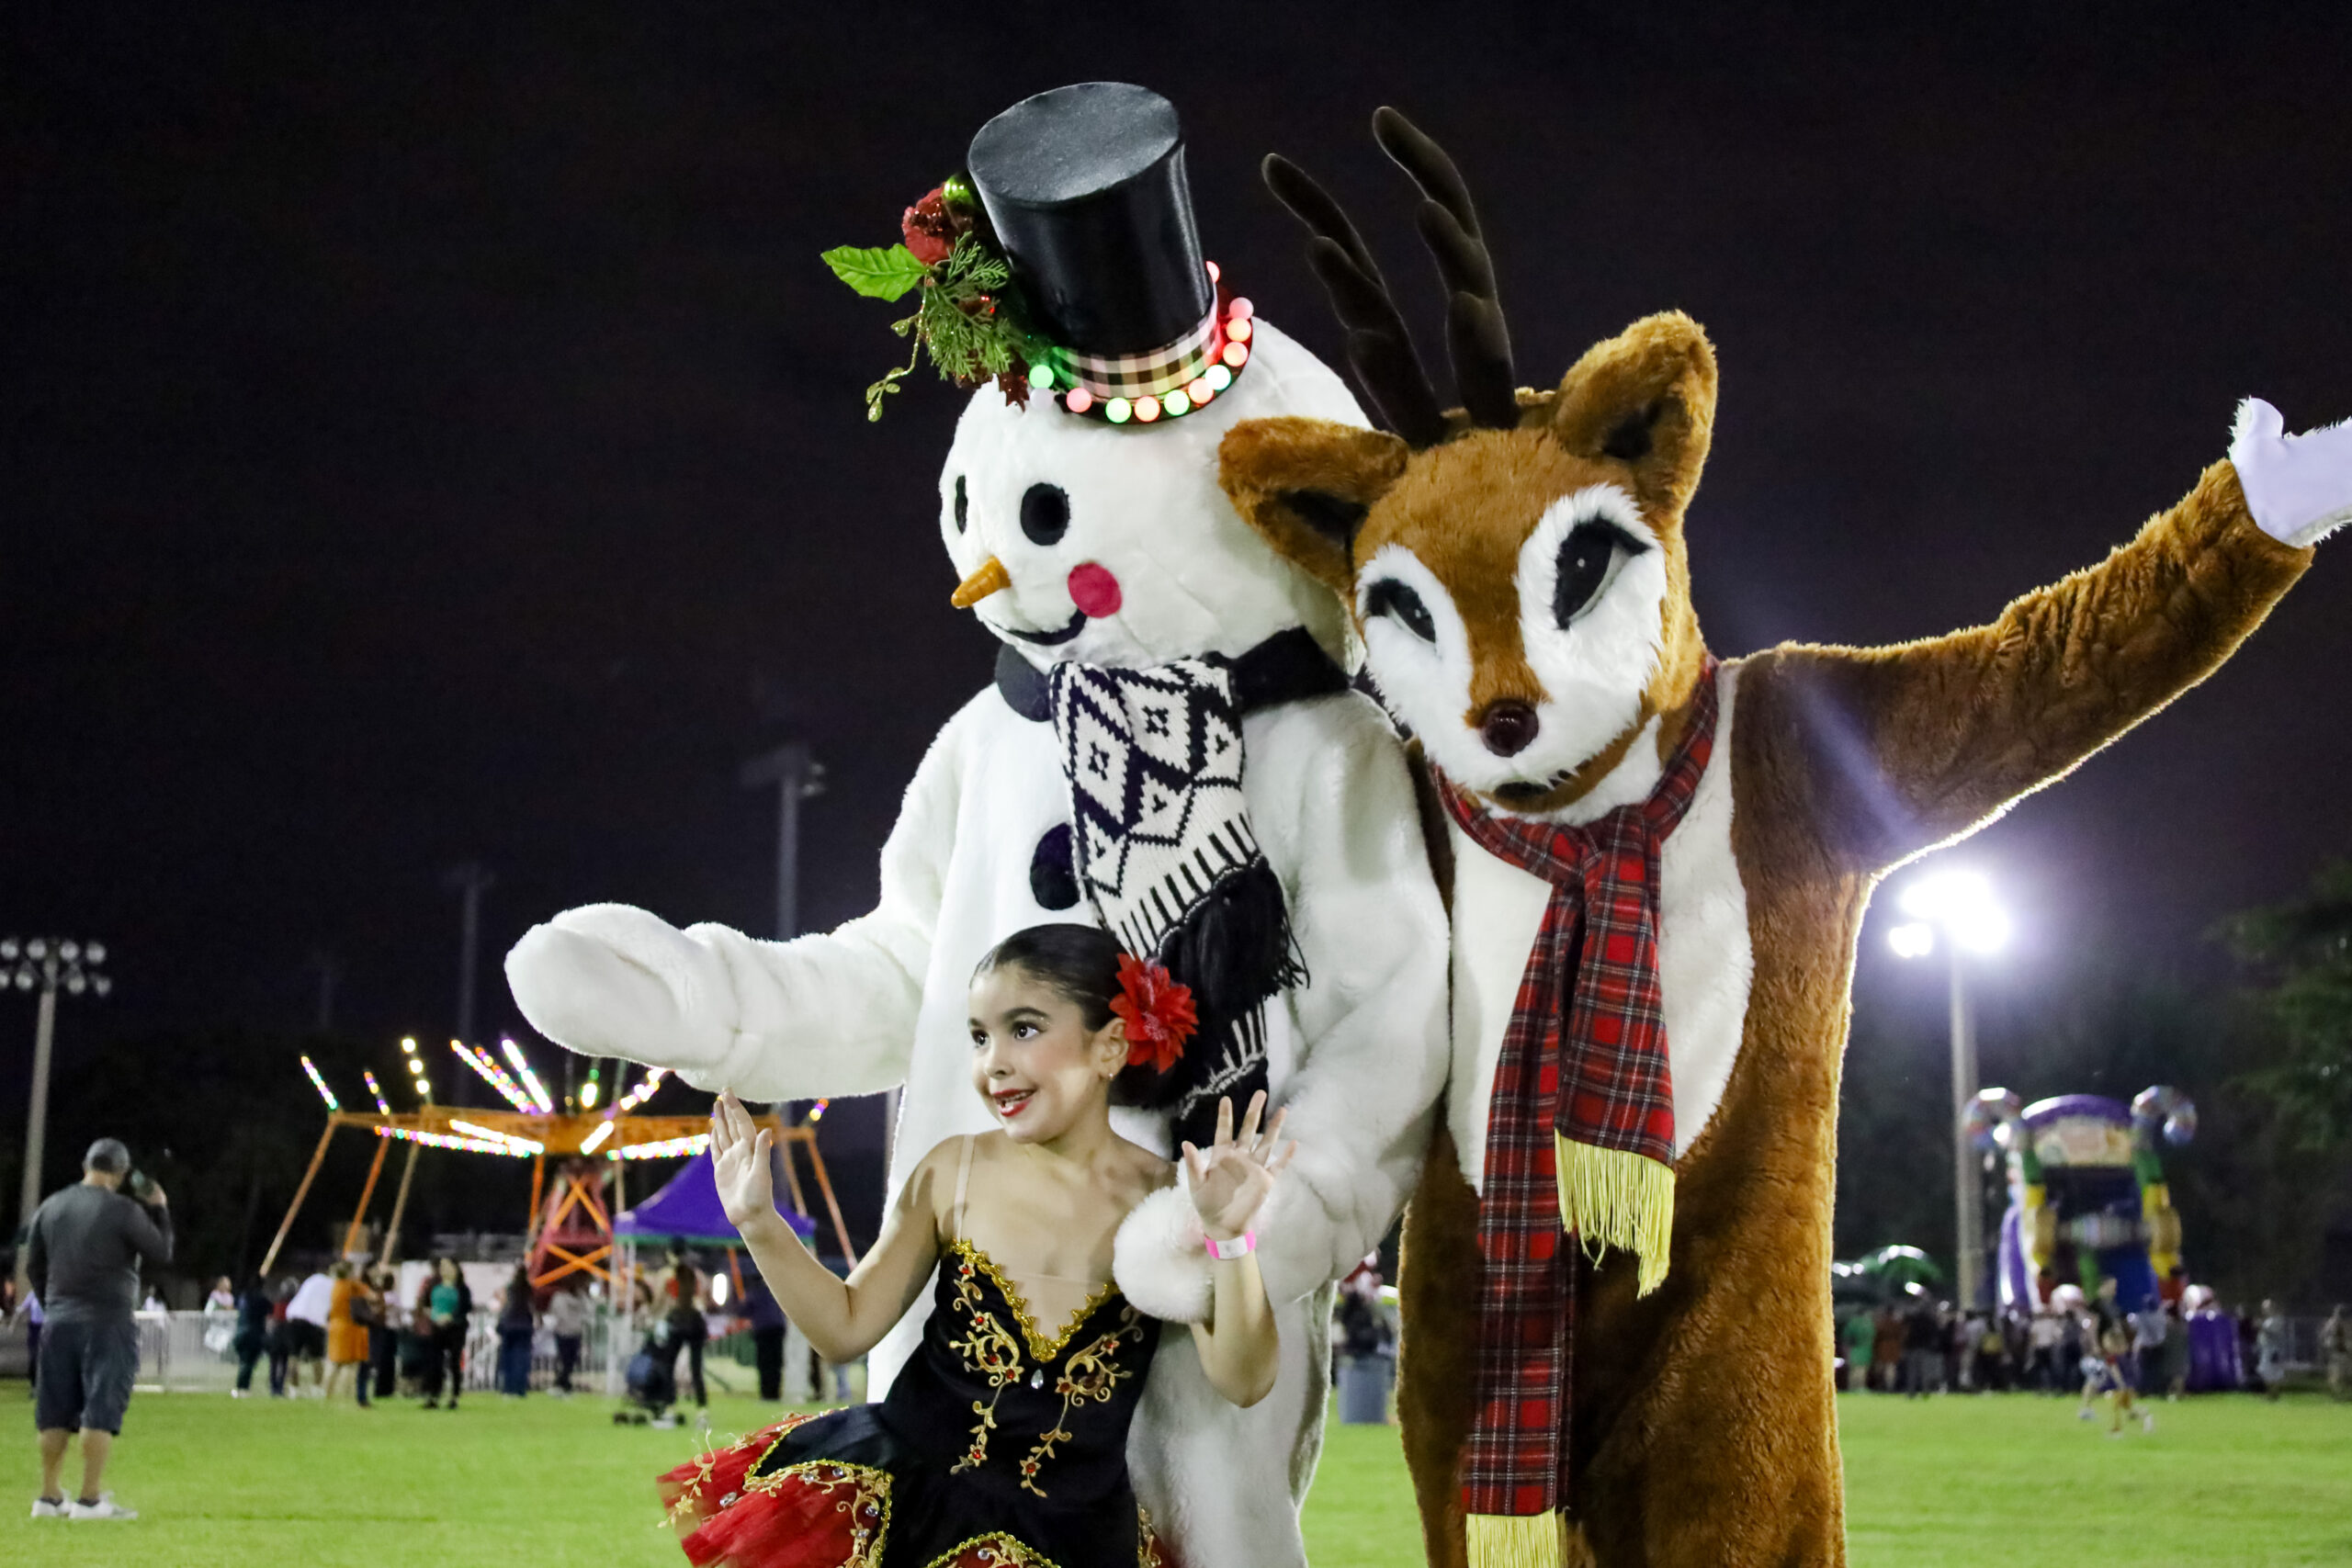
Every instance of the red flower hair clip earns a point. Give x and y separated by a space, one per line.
1157 1011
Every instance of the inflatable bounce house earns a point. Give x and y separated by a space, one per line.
2088 1197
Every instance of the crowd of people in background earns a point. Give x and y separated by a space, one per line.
1917 1345
346 1332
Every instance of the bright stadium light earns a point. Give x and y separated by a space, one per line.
1957 906
48 965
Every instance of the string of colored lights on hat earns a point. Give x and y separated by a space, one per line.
320 1084
1227 354
495 1076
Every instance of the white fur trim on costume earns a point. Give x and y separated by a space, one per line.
2298 487
1706 954
1158 1259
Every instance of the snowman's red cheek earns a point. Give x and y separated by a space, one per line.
1093 589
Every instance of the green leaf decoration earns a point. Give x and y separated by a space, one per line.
967 319
876 271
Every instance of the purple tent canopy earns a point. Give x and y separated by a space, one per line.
688 1210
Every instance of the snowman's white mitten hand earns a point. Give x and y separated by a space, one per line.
2298 487
610 980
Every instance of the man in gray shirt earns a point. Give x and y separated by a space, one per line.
83 1256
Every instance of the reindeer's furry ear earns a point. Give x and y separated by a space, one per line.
1306 485
1646 399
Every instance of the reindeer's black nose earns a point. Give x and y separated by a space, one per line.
1508 726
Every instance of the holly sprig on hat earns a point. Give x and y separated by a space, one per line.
968 313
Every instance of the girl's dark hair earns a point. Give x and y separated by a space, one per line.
1080 962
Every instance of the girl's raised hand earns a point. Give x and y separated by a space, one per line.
739 1165
1232 1179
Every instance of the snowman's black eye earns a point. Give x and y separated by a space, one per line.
1045 513
962 503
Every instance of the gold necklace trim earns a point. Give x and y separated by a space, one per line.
1041 1349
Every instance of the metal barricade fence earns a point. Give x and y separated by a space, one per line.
189 1352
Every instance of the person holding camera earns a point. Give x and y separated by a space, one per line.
83 1255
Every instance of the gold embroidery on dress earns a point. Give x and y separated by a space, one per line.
986 1348
1147 1544
1040 1347
1088 1374
994 1549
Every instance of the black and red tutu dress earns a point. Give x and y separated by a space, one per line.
996 1448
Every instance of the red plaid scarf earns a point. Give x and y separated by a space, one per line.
1580 1133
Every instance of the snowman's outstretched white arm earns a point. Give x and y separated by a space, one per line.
820 1015
1372 1017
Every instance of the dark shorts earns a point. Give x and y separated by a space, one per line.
86 1370
306 1341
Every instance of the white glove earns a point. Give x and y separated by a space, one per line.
610 980
2298 487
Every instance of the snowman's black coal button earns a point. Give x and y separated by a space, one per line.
1053 880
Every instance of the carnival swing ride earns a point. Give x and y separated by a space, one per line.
569 1228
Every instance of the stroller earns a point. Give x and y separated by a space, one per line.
652 1382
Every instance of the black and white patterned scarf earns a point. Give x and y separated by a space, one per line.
1164 851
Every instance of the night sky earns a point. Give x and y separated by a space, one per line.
432 435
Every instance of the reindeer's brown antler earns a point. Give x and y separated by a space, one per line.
1475 338
1380 348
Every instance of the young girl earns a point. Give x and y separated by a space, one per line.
1003 1441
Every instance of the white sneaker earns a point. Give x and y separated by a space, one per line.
43 1508
105 1508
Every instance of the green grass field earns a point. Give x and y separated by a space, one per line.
1946 1482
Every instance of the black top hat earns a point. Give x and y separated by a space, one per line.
1086 282
1085 188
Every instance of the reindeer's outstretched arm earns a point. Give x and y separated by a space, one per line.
1884 752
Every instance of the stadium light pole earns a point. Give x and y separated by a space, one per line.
49 965
1957 908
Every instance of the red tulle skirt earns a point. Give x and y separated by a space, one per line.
822 1513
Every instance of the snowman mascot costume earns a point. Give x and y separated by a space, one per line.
1168 749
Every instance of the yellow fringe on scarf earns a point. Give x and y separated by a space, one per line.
1514 1540
1616 1198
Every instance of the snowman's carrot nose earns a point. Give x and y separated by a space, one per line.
990 577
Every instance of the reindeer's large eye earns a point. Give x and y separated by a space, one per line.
1390 597
1590 558
963 503
1045 513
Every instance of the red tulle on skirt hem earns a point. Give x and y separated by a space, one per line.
820 1515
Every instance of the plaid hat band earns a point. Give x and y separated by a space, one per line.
1152 374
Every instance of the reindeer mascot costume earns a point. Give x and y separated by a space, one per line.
1617 1265
1168 749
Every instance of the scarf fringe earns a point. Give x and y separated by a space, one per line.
1514 1540
1617 1197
